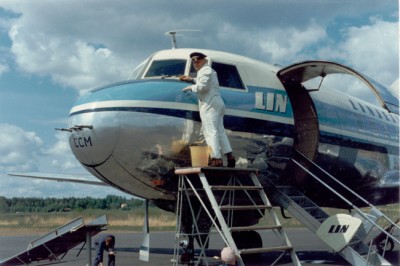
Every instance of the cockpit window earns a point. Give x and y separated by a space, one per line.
228 75
166 68
138 71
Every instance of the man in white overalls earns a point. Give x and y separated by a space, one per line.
212 109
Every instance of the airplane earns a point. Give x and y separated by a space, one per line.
132 134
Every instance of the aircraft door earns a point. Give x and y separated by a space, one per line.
305 120
307 134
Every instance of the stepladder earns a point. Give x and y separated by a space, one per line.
229 204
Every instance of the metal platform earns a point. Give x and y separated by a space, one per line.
54 245
353 235
217 193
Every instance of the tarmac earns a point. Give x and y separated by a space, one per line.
309 249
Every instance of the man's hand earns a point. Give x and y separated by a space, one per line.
100 264
186 78
112 253
188 88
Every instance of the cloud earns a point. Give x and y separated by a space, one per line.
293 45
70 45
4 58
24 151
61 155
19 149
78 48
71 63
371 48
3 68
394 88
86 44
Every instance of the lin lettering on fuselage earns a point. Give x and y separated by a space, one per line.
82 142
273 102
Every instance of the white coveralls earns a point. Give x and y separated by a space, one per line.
212 110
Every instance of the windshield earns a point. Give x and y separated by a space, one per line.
136 73
166 68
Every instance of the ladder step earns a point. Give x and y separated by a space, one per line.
297 197
283 187
289 191
236 187
251 228
245 207
354 242
263 250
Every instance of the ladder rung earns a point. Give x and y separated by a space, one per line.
250 228
245 207
236 187
367 256
263 250
215 171
190 189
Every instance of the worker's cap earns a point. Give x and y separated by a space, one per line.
197 55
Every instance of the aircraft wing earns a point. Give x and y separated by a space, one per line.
304 71
61 178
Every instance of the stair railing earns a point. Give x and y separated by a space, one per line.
359 211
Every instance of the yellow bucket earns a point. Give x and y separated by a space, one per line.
199 155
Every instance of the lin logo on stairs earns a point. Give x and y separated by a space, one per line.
338 229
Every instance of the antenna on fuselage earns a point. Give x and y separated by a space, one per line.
173 34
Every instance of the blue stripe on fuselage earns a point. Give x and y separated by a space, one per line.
171 91
239 100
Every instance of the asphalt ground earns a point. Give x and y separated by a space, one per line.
309 249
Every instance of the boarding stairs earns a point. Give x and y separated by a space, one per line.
358 249
54 245
218 192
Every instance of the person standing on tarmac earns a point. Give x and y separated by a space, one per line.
211 108
106 243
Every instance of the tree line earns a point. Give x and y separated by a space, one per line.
17 204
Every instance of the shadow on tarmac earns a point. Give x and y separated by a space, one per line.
306 257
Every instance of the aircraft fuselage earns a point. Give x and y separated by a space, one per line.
133 134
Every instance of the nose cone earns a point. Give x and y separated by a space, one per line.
126 134
93 146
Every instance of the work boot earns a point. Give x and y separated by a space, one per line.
214 162
231 160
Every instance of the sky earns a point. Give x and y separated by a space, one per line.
51 52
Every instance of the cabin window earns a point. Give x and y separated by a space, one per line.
228 75
166 68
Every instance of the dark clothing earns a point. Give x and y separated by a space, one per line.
100 246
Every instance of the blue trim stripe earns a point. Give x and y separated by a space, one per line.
170 93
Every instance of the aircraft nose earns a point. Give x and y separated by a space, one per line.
92 146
